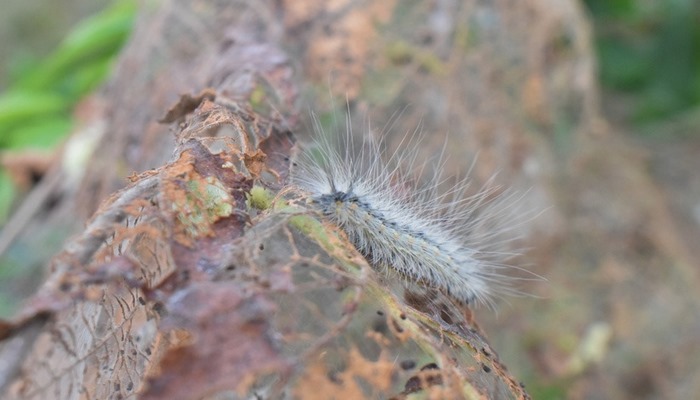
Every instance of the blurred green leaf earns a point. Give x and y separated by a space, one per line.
7 194
650 50
36 110
97 37
624 66
611 8
8 305
20 64
38 105
8 270
87 78
551 392
17 108
43 133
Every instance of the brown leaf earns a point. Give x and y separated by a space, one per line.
187 104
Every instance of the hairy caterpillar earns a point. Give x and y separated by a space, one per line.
446 240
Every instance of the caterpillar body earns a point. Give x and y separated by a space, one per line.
445 240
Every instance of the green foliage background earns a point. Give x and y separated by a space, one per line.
649 51
36 107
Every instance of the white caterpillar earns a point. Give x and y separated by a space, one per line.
443 240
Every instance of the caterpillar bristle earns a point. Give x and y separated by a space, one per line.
448 239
